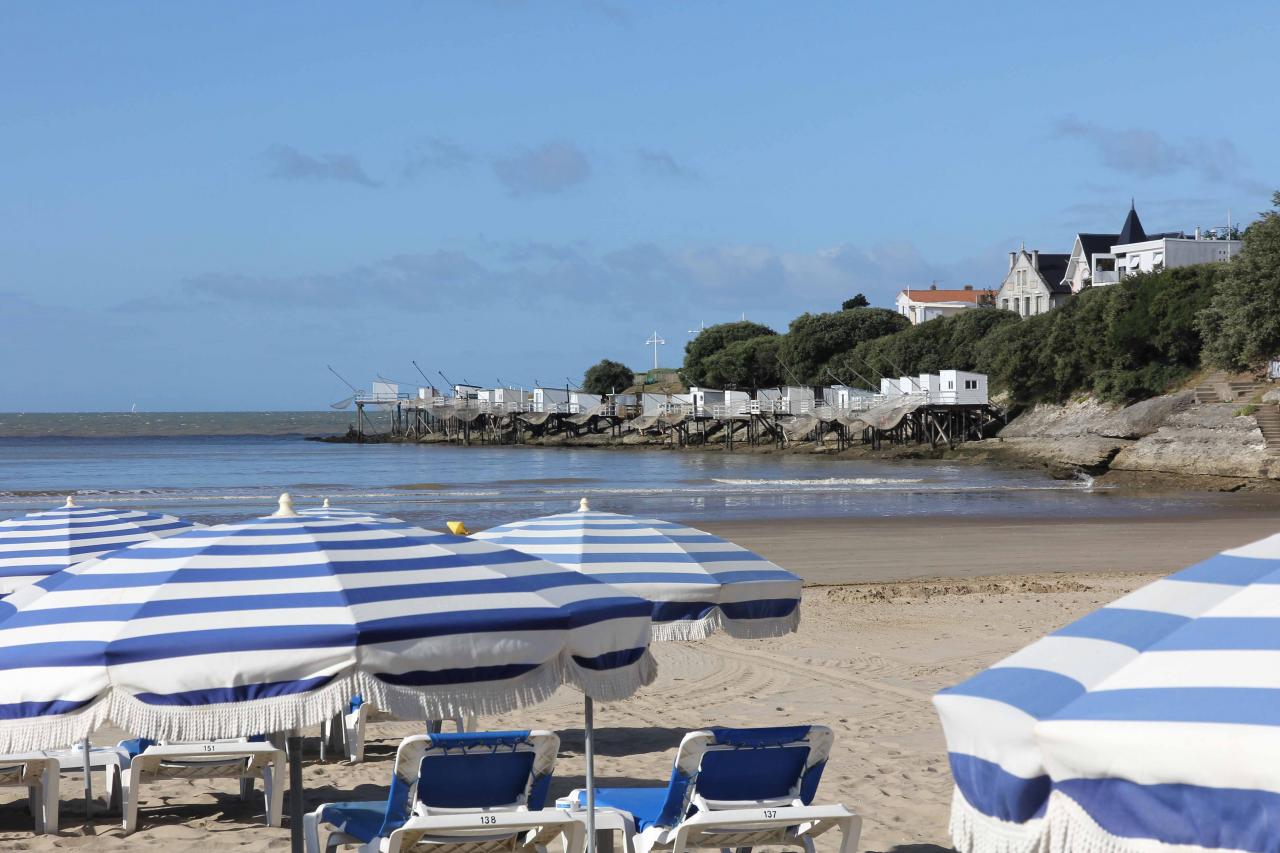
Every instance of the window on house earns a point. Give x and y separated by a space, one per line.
1026 306
951 386
1039 307
1004 304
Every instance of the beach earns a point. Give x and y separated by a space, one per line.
896 609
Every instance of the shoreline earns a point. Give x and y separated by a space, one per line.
995 453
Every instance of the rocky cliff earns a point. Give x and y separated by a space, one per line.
1169 435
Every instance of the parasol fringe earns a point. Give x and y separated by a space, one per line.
973 831
740 629
1072 830
288 713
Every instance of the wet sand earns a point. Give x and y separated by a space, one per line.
861 550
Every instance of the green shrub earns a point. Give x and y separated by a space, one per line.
1241 325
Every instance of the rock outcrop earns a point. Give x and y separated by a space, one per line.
1171 435
1209 439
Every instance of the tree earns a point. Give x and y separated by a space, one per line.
815 339
941 344
748 364
607 377
858 301
1241 325
713 339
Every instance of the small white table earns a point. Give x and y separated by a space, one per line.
608 821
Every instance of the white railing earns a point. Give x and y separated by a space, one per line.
381 398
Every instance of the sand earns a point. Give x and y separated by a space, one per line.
867 658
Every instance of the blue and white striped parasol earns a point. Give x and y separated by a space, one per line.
1150 723
38 544
273 624
327 511
697 582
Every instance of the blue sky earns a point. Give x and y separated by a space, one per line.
202 205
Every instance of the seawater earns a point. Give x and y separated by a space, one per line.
214 467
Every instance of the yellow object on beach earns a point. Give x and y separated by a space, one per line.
457 528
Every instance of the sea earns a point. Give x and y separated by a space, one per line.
223 466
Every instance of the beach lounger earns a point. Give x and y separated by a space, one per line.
39 774
732 788
356 717
479 792
245 759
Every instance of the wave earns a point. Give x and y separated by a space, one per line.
824 481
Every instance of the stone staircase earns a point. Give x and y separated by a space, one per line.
1216 388
1268 418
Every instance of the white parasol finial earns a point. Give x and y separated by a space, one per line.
70 504
286 507
583 506
325 505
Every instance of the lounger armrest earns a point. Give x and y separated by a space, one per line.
485 821
788 815
542 826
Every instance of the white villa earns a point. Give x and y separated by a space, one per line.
1102 259
1079 274
921 305
1034 284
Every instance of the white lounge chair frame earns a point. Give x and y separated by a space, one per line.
509 829
219 759
730 824
39 774
353 730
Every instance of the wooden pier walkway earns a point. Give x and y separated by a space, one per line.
905 420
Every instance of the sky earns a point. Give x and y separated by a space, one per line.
203 205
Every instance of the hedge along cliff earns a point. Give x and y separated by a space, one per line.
1168 435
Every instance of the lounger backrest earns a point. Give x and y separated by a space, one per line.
471 771
730 768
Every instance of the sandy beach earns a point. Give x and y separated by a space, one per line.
897 609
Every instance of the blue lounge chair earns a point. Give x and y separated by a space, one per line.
732 788
460 792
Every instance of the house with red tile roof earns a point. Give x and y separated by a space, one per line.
931 303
